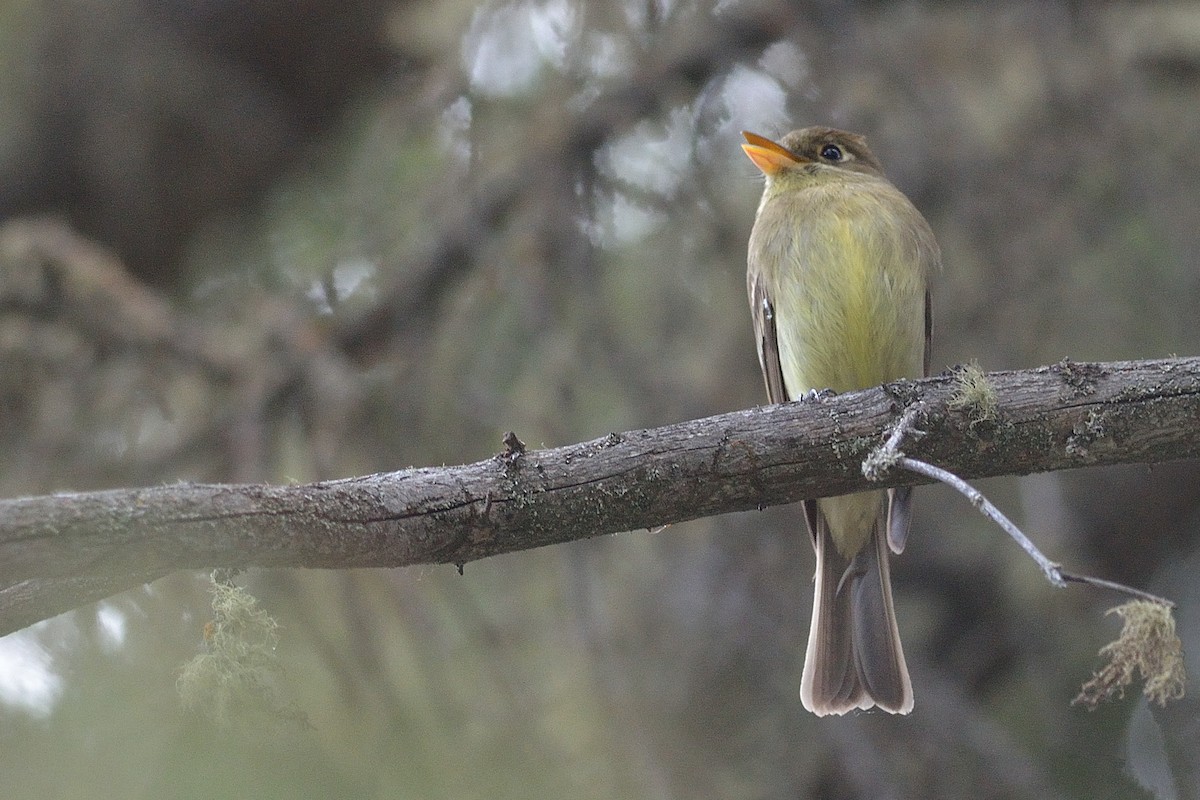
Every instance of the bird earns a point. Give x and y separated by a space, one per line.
838 269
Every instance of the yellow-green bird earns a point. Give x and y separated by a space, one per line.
838 275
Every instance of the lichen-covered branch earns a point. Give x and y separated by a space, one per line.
61 550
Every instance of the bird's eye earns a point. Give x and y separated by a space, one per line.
831 152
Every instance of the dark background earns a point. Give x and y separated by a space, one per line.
270 241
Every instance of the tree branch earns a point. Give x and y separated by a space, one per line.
60 550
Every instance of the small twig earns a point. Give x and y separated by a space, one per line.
904 426
889 455
1052 571
1118 587
514 448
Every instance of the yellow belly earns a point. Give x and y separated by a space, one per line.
850 517
849 315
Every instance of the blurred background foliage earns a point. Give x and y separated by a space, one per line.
263 241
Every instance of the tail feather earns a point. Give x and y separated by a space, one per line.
899 517
830 682
854 658
879 656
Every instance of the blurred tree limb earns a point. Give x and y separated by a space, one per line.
60 551
73 315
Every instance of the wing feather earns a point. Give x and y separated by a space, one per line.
763 312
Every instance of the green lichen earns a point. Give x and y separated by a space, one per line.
1147 647
239 676
974 394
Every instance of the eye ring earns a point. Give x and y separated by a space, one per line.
831 152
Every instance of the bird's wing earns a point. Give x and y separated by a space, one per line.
900 499
928 330
763 312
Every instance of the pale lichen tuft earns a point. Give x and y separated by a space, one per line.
1147 647
974 393
239 675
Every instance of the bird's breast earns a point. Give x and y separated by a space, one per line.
847 273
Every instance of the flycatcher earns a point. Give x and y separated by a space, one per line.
839 268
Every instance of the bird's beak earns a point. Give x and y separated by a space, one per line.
768 156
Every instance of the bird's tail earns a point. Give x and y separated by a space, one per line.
854 658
